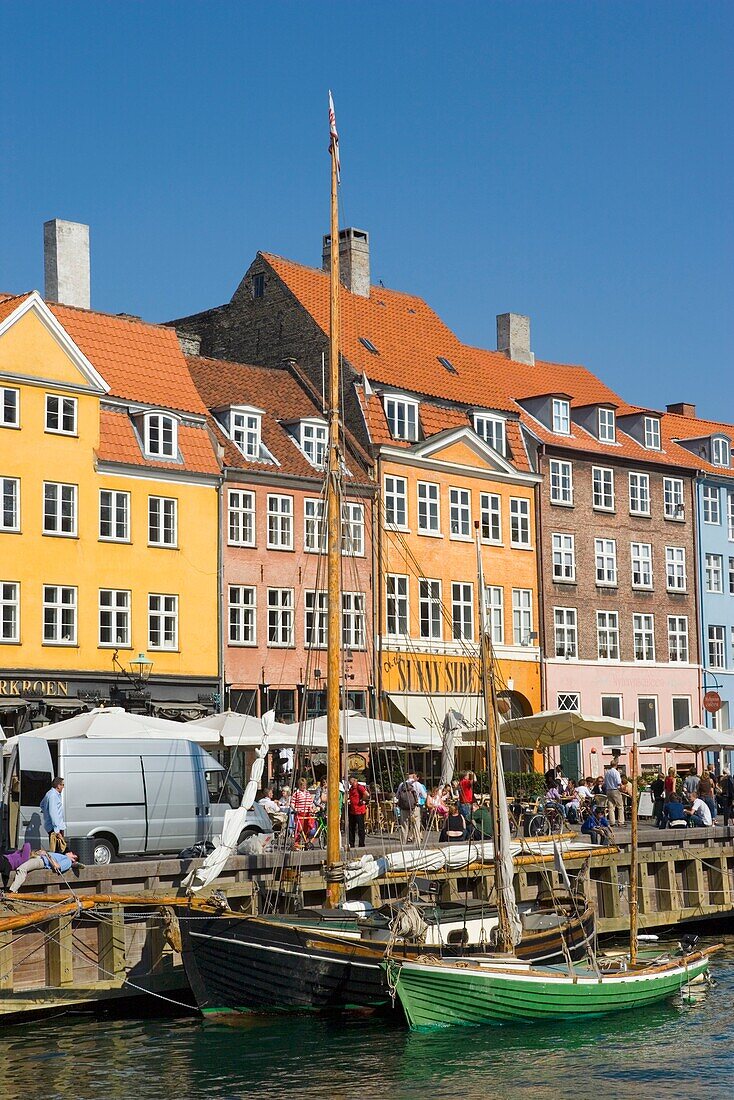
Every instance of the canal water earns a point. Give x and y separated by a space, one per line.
675 1050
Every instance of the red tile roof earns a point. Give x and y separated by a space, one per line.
118 443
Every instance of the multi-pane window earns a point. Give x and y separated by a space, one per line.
678 639
652 433
681 711
561 416
429 608
396 501
675 568
564 557
490 517
245 430
731 576
641 555
647 714
242 614
429 504
568 700
114 515
59 508
314 439
607 635
611 707
519 521
721 451
114 617
564 626
241 517
462 610
353 529
9 611
162 621
314 526
353 620
605 558
10 511
714 571
672 498
280 522
316 606
711 504
9 407
460 513
492 431
396 603
561 482
602 482
606 426
643 635
730 515
522 616
717 647
162 521
402 417
494 602
60 414
160 436
640 494
59 614
280 617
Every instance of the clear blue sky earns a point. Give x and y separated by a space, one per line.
572 161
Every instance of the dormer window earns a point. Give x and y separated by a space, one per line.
652 433
402 417
492 431
161 436
314 437
561 416
245 431
720 451
607 428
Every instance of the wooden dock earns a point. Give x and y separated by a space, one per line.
121 951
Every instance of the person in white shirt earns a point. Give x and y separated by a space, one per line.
699 814
615 803
271 806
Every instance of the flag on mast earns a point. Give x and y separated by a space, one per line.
334 137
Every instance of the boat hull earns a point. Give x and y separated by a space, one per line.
437 996
266 964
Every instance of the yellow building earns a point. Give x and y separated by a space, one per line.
109 517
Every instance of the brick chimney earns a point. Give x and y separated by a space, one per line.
66 263
354 260
513 337
682 409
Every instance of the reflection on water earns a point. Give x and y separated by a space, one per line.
668 1051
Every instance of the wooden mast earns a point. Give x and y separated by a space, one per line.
633 857
333 498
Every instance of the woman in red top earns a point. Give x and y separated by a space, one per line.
358 796
303 813
466 796
670 781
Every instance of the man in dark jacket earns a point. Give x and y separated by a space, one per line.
657 790
727 796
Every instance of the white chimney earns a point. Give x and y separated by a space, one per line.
66 263
513 337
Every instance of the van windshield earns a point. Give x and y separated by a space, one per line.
223 788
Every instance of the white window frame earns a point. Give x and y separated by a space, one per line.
397 604
720 451
6 405
160 425
281 618
10 504
494 599
673 504
64 410
460 514
430 609
561 416
280 521
568 701
641 564
116 605
522 615
711 505
245 430
428 497
61 493
241 516
716 647
112 499
54 602
9 612
563 553
314 437
315 618
643 631
490 518
714 573
679 699
605 563
520 523
561 482
644 735
242 615
639 493
731 576
678 651
314 525
607 635
492 430
602 488
462 611
651 430
565 633
163 515
607 426
354 620
352 529
615 740
395 501
401 410
675 569
163 620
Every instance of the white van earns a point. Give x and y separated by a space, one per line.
134 797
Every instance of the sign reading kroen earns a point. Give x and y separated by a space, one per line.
18 688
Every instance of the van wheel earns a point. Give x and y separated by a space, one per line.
104 851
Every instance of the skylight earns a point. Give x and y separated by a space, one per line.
447 364
369 345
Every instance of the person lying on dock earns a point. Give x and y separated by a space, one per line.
60 862
11 860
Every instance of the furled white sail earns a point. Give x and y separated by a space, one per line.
234 820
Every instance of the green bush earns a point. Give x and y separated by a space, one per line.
532 783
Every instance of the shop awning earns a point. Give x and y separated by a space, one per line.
176 711
14 703
431 710
66 704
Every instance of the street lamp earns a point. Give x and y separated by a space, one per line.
142 667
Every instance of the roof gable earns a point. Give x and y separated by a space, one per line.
35 345
462 447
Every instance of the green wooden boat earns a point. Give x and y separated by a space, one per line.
443 992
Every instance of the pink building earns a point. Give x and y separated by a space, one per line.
272 433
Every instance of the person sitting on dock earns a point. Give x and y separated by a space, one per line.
60 862
596 825
672 811
454 829
268 802
699 814
482 821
